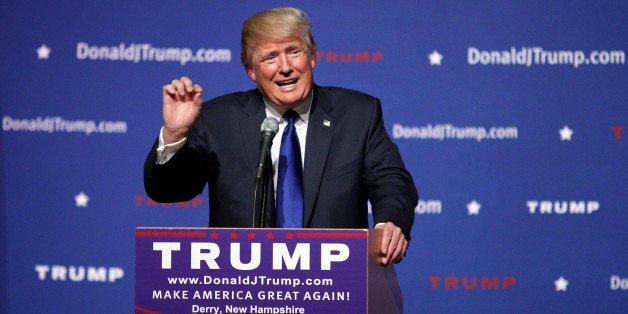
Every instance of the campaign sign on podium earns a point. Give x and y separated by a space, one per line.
226 270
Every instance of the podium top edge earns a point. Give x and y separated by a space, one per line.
250 229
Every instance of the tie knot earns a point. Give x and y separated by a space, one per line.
291 116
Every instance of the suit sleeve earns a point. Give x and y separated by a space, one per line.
184 176
390 186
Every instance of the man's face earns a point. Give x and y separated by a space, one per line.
282 71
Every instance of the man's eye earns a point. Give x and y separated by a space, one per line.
295 52
269 59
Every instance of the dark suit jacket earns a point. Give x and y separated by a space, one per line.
349 158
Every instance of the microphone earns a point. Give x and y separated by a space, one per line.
269 127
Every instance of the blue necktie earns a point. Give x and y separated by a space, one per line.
290 177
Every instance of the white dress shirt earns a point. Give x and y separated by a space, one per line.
300 125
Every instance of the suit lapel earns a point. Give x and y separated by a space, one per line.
253 115
319 136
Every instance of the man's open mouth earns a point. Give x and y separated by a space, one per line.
287 82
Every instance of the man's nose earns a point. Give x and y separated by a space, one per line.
285 64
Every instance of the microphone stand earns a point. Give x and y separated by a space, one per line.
264 196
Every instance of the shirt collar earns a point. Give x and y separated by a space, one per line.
303 109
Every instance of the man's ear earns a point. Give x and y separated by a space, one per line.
251 74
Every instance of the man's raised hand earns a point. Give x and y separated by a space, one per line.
182 102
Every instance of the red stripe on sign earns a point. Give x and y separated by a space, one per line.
143 310
330 235
174 234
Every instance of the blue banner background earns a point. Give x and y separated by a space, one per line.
42 172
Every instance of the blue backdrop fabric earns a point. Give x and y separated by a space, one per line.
510 115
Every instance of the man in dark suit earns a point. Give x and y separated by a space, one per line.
347 156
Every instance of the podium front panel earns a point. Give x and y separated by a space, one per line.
225 270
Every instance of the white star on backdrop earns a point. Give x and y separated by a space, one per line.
43 52
435 58
474 208
561 284
81 199
565 133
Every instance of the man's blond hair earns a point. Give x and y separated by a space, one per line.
275 24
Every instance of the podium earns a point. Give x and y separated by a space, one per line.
245 270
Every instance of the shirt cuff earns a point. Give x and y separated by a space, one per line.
165 152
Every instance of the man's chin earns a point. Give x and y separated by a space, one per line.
288 102
289 105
